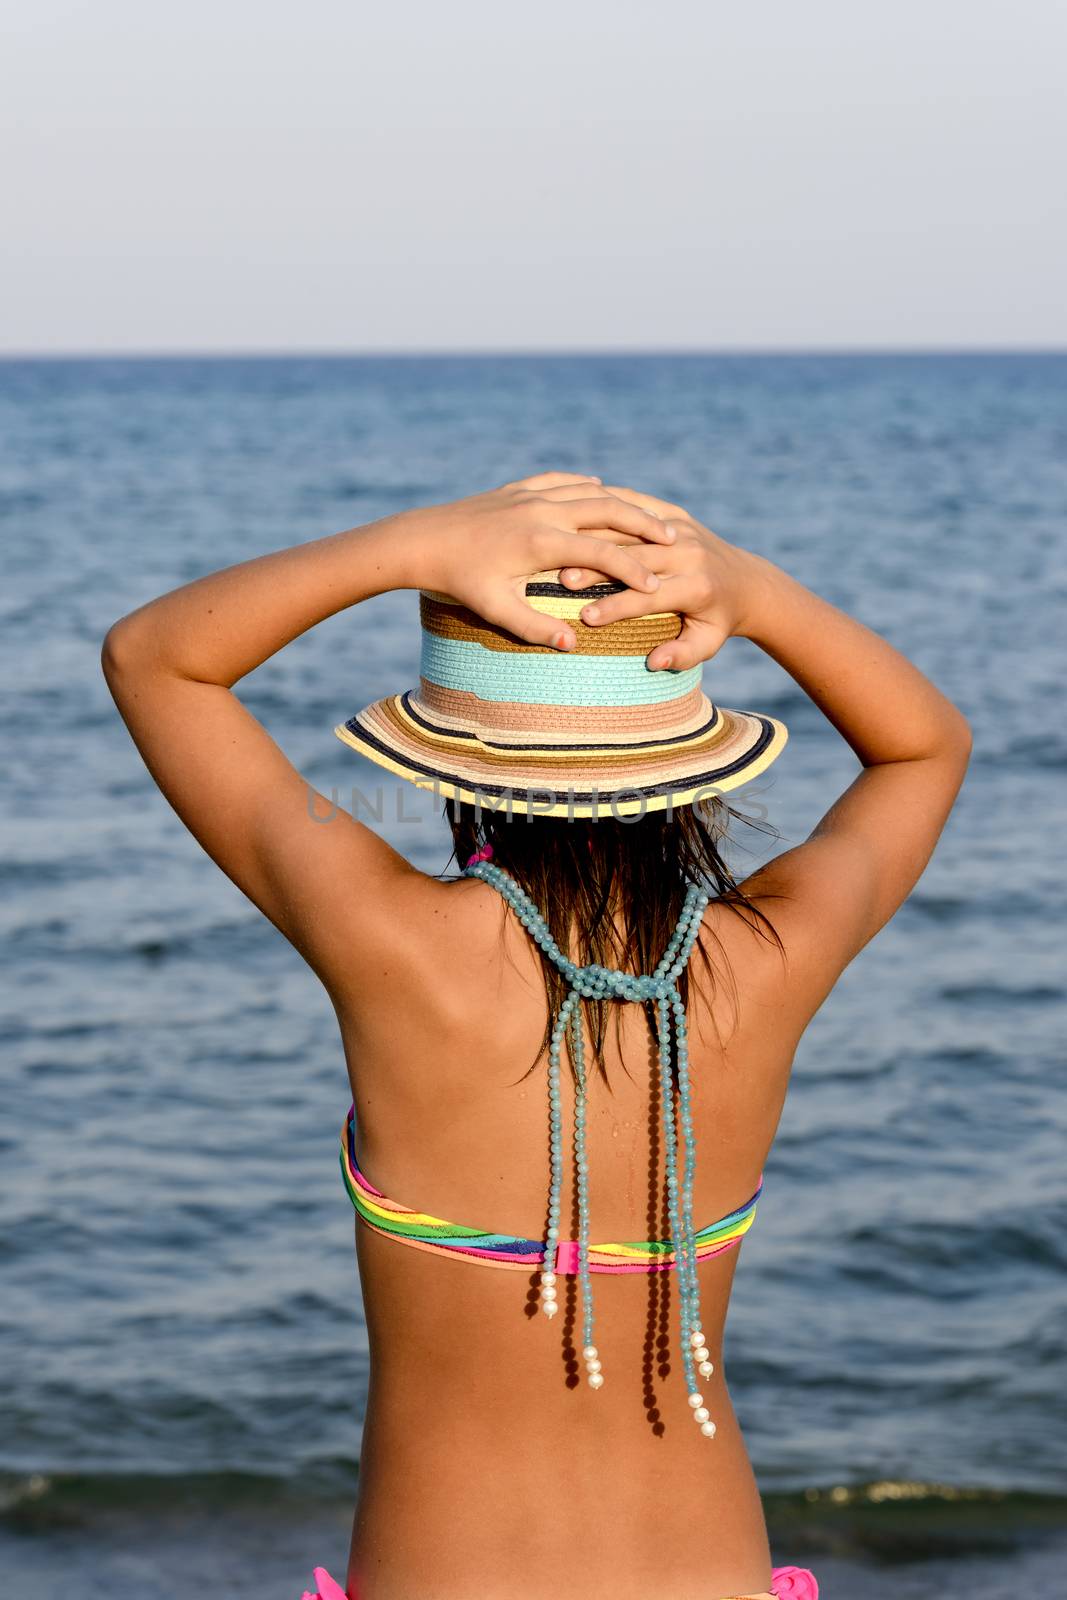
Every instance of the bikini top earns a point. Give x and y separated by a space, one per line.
509 1250
687 1246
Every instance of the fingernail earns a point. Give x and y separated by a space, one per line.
665 661
570 575
590 613
652 581
670 530
561 640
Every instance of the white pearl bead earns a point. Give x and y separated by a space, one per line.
548 1294
702 1413
550 1308
706 1368
593 1365
708 1429
696 1339
596 1380
590 1352
702 1353
696 1400
548 1279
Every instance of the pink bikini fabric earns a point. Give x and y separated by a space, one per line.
788 1583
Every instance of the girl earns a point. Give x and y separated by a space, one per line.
542 1046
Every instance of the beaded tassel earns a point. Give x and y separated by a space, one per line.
595 983
555 1144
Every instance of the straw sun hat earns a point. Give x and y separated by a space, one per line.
589 732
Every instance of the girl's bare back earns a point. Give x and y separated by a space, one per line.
481 1437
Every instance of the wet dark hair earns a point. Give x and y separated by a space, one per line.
580 872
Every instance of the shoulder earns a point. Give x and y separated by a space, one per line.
401 924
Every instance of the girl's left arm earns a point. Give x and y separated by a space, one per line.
331 887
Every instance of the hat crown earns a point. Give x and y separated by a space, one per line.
464 652
586 732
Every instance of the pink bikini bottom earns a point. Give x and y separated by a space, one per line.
788 1583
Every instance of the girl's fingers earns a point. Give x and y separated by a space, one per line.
696 642
581 577
665 540
649 502
615 561
630 602
586 488
507 610
608 511
657 559
553 480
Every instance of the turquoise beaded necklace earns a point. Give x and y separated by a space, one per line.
597 983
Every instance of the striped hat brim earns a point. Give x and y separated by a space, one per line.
599 761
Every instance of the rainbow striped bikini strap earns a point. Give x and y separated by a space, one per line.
596 983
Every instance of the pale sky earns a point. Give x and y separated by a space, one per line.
243 175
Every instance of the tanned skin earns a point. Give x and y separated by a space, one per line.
488 1470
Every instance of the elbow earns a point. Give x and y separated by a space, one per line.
120 651
112 651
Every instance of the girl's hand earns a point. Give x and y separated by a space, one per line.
711 584
482 550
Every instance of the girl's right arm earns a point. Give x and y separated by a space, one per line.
830 895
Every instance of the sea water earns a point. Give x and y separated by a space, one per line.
183 1358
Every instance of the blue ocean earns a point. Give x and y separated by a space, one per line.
182 1350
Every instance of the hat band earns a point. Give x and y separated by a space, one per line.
555 678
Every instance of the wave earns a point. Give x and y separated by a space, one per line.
889 1518
1029 994
897 1520
40 1501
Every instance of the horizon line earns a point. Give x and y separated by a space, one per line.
522 352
